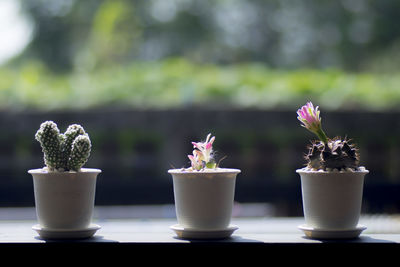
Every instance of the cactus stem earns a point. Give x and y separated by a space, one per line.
322 136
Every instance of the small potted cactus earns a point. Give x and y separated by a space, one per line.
64 191
204 195
332 182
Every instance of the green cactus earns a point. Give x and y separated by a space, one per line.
73 131
80 152
336 154
50 140
63 152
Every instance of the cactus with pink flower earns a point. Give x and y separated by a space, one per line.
326 153
203 155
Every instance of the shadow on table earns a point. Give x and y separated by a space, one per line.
361 239
232 239
93 239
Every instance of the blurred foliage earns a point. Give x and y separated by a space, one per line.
181 83
346 34
179 53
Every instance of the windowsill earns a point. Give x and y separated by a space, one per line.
151 224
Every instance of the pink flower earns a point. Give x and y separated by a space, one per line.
195 160
310 119
205 148
202 154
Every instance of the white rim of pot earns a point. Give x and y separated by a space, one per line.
208 171
360 170
82 170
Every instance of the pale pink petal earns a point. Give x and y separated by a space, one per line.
208 137
196 145
212 140
208 146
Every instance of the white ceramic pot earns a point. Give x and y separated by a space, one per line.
332 200
204 200
64 200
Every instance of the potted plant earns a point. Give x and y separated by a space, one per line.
204 195
64 191
332 182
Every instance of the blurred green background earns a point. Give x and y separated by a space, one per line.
147 77
161 54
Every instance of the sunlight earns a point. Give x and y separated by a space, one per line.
15 30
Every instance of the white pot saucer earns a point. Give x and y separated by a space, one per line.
190 233
314 233
66 233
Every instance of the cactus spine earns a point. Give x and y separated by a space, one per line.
63 152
